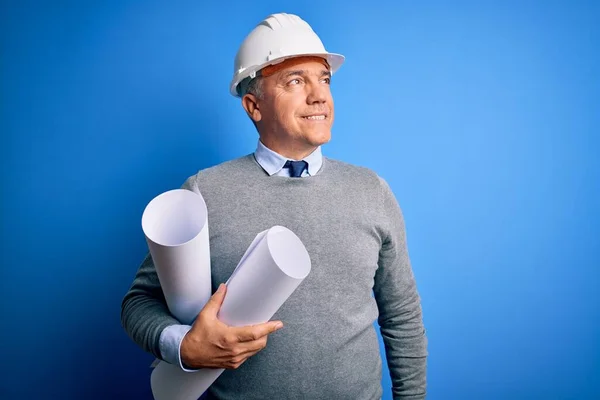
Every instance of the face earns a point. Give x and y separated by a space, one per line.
295 113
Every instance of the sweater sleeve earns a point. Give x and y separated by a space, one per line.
400 317
144 311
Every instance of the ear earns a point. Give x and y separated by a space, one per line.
250 104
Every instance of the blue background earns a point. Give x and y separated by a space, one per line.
483 116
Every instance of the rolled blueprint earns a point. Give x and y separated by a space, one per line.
175 224
274 265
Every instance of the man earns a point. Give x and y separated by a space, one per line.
347 218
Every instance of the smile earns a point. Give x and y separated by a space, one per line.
316 117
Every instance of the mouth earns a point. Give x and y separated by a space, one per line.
316 117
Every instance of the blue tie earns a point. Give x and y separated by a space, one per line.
296 168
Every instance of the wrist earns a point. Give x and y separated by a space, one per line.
186 351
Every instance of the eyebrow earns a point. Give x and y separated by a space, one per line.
302 72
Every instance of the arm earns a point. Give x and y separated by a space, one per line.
145 315
400 317
146 318
144 311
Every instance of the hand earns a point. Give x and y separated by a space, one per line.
212 344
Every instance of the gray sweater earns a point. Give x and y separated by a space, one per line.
353 229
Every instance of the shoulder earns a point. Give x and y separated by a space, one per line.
363 178
355 173
227 168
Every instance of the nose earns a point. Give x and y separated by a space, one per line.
317 93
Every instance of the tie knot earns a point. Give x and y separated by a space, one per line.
296 167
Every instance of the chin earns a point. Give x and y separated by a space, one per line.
319 138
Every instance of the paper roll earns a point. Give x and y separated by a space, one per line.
175 224
274 265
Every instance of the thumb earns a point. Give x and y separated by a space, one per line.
213 305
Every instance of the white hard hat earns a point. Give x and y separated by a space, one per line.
276 38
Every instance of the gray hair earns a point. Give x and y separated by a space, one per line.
251 86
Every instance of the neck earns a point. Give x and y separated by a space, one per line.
291 150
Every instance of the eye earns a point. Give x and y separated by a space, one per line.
327 81
294 82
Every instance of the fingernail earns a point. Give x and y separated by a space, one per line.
279 325
221 287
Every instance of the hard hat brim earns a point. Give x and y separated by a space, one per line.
334 60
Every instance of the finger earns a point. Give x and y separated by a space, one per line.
242 352
213 305
255 332
248 349
234 364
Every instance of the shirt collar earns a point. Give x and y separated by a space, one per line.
273 162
